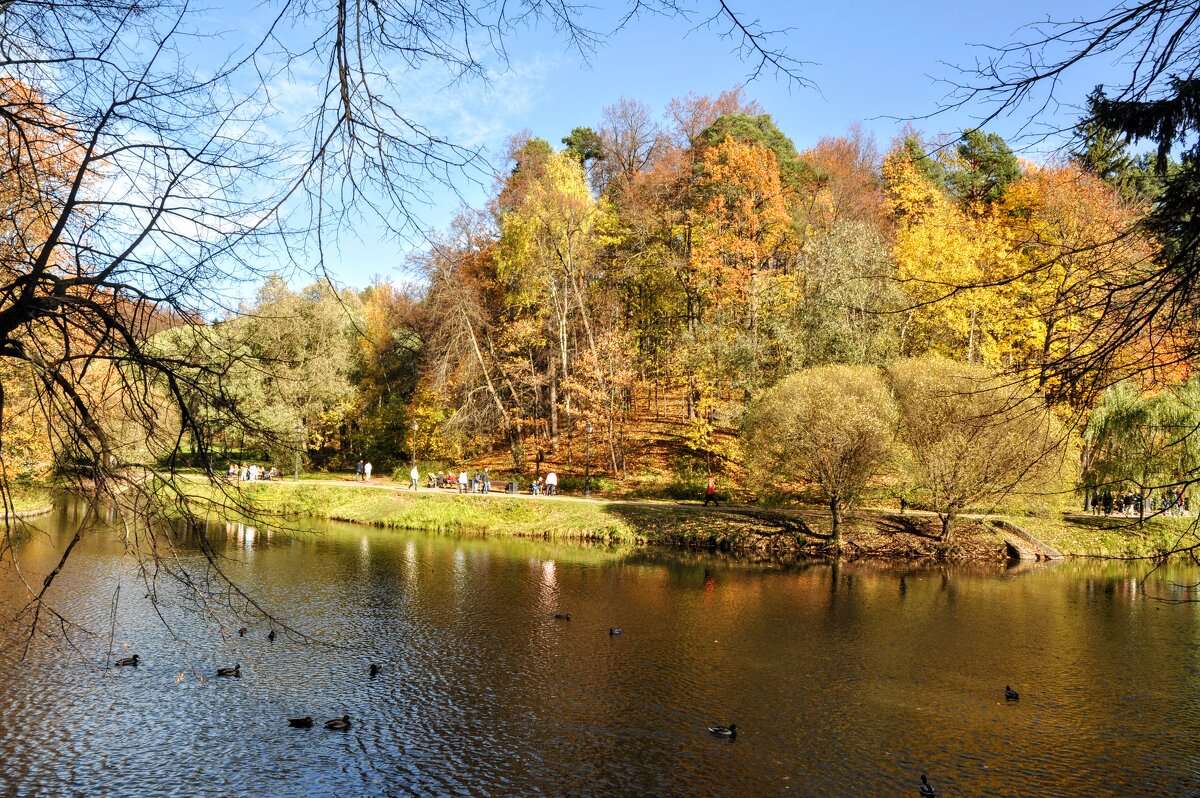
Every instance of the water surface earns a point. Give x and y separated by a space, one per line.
846 681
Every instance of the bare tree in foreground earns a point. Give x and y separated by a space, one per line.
140 186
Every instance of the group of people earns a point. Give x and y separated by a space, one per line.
251 473
479 482
362 471
545 487
1167 502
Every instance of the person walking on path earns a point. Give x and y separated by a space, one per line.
710 492
367 471
462 481
551 484
358 471
413 477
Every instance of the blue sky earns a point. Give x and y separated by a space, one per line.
874 63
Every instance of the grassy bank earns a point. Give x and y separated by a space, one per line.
1113 536
748 529
640 523
29 498
492 515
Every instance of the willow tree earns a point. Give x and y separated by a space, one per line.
1145 439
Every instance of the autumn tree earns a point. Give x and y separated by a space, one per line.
1072 237
1152 100
847 180
971 438
545 255
745 260
831 426
953 262
387 372
476 351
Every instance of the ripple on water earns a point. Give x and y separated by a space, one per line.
848 692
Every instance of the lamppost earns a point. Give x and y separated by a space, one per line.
299 443
587 461
414 444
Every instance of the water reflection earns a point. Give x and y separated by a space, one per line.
847 679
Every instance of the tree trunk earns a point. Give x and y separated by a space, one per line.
835 512
947 529
553 405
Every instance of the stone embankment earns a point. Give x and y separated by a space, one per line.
1023 545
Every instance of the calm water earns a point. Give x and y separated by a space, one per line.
843 682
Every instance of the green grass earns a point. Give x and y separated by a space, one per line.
28 498
448 512
671 524
1113 536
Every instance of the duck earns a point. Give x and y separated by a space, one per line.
561 616
300 723
727 732
926 788
376 669
1011 694
338 723
121 663
614 630
271 636
236 670
242 632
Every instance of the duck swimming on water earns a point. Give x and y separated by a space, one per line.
300 723
236 670
121 663
727 732
1011 694
338 723
376 669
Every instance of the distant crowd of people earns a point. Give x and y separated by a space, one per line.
251 472
481 482
1166 502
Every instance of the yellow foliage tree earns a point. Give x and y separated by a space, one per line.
956 264
1072 233
744 254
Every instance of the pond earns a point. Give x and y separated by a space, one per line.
843 681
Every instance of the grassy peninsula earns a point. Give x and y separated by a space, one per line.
791 531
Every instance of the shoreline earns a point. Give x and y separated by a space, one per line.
869 533
22 515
